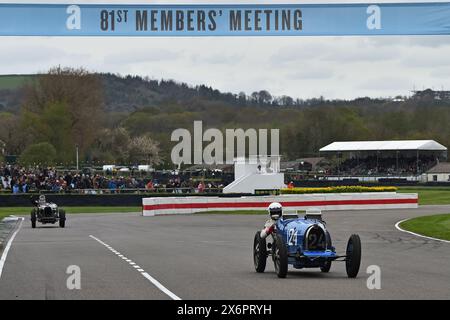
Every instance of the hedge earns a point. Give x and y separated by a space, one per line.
341 189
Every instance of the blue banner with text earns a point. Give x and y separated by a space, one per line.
225 20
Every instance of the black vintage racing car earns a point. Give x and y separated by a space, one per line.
46 212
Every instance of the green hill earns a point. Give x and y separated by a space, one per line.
146 106
126 93
12 82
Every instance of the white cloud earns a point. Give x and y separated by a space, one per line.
141 56
440 73
386 83
313 73
427 58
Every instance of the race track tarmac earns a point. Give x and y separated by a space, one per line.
127 256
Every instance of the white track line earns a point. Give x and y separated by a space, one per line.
155 282
8 246
397 225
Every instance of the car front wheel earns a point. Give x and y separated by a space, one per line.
33 218
280 257
353 259
327 264
259 253
62 218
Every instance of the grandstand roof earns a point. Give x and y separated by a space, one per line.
389 145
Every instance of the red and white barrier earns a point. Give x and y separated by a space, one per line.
323 201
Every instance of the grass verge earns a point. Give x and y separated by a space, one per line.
437 226
6 211
429 195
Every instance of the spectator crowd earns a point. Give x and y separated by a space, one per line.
17 179
385 165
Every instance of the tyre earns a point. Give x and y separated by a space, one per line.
353 259
62 218
259 253
33 218
327 265
280 257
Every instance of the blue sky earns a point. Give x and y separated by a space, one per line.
304 67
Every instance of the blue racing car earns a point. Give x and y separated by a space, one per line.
302 242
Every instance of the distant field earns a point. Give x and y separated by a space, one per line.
437 226
429 195
13 81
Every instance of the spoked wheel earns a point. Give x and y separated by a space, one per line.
259 252
327 265
62 218
353 259
280 258
33 218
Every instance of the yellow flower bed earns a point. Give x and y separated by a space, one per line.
342 189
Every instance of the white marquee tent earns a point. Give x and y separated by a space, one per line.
389 148
390 145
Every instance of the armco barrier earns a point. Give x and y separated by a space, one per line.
323 201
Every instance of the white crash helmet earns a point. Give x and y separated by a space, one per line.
41 199
275 210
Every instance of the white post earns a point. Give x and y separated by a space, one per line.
77 156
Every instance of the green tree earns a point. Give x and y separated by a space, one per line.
111 146
10 133
38 154
57 118
144 150
52 125
74 97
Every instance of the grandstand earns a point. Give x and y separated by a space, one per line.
303 164
375 160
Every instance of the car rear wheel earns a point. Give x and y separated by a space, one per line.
280 257
259 253
327 264
33 218
353 259
62 218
